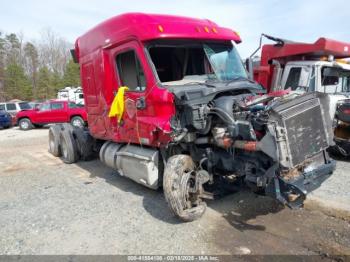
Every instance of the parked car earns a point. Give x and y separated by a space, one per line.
14 107
53 111
5 119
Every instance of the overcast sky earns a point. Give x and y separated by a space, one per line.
296 20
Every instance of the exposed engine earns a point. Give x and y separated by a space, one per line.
221 141
269 146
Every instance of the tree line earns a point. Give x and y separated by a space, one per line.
35 70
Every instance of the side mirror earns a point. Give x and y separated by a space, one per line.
249 67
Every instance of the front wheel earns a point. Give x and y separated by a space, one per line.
180 189
25 124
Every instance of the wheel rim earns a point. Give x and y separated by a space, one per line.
77 123
190 196
24 125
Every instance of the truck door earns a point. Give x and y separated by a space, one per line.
59 112
297 77
44 114
130 71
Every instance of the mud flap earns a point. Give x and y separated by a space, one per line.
282 189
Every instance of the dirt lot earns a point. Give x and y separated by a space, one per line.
47 207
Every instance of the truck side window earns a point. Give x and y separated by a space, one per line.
56 106
130 71
2 107
45 107
293 78
73 105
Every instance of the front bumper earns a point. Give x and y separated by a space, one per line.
293 192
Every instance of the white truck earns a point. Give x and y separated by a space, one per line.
74 94
322 66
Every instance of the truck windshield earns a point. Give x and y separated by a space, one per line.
181 63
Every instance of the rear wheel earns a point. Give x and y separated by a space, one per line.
54 140
84 144
77 121
25 124
180 188
68 146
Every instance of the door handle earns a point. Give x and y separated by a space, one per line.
141 103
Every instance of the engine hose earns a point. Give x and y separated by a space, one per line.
223 115
207 127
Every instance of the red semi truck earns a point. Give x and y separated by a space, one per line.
186 122
310 67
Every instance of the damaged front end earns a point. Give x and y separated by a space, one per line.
302 131
278 148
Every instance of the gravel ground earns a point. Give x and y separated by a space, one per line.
48 207
333 197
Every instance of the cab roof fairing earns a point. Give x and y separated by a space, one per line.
146 27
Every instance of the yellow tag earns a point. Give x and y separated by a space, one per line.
117 107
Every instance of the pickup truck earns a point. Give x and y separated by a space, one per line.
52 111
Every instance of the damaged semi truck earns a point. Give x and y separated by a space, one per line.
186 119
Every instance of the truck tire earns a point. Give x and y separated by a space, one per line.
77 121
25 124
84 143
68 146
54 140
176 182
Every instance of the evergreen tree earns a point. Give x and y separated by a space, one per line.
43 83
71 75
13 49
56 84
17 85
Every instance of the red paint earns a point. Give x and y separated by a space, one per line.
96 51
346 111
294 51
63 115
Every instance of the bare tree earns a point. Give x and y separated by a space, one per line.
54 51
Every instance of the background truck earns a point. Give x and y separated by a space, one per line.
74 94
308 67
183 118
52 111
